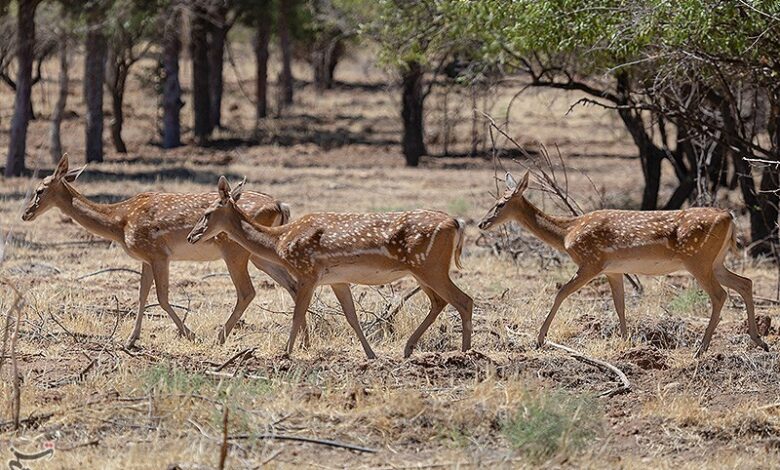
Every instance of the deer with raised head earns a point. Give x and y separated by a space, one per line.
339 249
152 228
617 242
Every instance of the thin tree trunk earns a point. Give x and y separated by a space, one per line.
171 101
412 113
17 145
116 77
216 56
286 8
201 99
94 77
262 38
62 100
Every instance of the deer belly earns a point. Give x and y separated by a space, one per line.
205 251
649 266
360 274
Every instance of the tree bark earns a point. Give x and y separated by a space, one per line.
171 89
262 38
284 20
17 145
412 113
201 96
116 76
324 59
649 154
216 55
62 100
94 78
763 210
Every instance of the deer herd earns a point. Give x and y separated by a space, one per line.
339 249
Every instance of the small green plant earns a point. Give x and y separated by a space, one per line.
548 425
688 300
458 206
170 378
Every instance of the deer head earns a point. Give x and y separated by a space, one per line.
220 215
51 190
513 193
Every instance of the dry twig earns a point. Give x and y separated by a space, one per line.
626 385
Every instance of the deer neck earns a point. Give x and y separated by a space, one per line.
257 239
104 220
550 229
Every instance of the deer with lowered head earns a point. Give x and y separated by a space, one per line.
617 242
152 228
339 249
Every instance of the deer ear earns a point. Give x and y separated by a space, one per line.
511 184
62 167
224 189
236 192
72 175
523 185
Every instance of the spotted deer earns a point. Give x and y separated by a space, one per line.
339 249
617 242
152 228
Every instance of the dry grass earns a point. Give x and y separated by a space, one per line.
505 404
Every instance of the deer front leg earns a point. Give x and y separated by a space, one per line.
236 260
302 300
160 272
278 274
618 297
344 296
580 279
146 285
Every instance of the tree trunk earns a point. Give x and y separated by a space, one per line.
62 100
412 113
649 154
286 8
763 218
116 77
216 55
262 37
325 58
171 100
94 77
17 145
201 98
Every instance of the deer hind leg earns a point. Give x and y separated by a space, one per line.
146 286
447 290
437 305
344 296
302 301
744 288
277 273
160 272
237 261
712 287
618 297
582 277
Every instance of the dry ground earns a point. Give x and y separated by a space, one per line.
503 404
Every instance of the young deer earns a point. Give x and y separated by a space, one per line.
617 242
339 249
152 228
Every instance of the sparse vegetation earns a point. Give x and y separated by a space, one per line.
549 425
